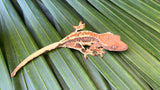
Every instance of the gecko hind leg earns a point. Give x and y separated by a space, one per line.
100 52
87 52
83 50
79 27
79 47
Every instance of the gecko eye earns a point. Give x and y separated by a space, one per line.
113 47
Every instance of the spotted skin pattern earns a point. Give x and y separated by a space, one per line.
77 40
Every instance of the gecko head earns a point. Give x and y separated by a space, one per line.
116 46
113 43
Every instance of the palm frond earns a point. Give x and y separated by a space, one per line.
27 25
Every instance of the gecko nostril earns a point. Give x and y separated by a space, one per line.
125 48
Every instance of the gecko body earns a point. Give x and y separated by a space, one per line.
77 40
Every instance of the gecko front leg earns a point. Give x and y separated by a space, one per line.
100 52
98 49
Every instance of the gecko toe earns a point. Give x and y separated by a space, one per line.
85 56
93 54
101 55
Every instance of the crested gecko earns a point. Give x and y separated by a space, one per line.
77 40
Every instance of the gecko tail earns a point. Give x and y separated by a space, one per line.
34 55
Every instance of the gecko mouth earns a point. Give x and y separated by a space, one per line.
122 48
116 48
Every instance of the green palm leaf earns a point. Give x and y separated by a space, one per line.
27 25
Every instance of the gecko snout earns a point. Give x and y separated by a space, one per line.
121 47
125 48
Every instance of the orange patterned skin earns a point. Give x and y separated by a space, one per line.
77 40
97 42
